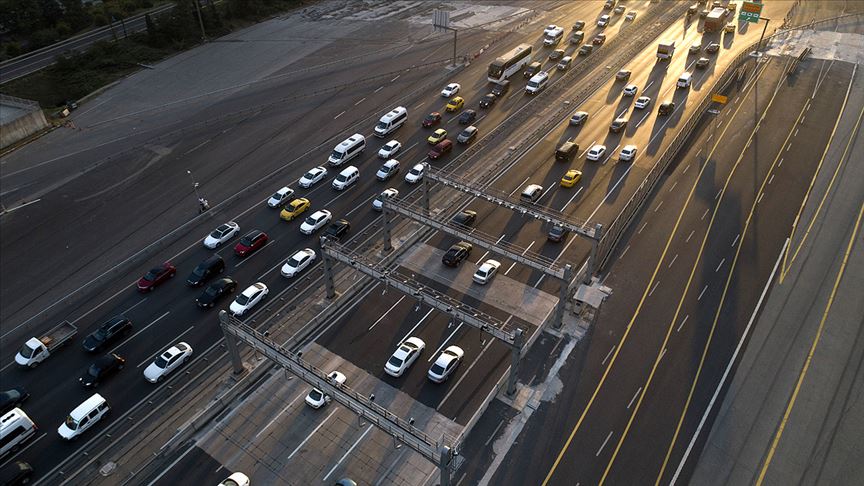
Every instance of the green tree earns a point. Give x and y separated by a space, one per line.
21 17
52 12
75 15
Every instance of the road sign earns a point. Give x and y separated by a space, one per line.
750 12
440 19
719 98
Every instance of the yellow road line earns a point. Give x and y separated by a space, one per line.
816 339
695 266
644 294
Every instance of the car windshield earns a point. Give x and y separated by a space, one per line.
212 291
71 423
437 369
199 271
152 274
100 334
309 175
430 118
415 172
316 395
341 178
276 195
161 362
395 362
26 352
94 370
294 262
336 155
243 299
381 125
246 241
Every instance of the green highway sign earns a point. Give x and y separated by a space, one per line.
750 12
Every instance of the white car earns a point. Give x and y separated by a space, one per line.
604 21
280 197
642 102
450 90
167 362
550 29
315 221
388 193
596 152
630 90
313 176
486 271
627 153
298 262
389 149
248 299
221 235
404 356
316 398
415 174
446 364
388 170
236 479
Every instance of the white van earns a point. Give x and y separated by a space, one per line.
391 121
348 149
83 417
684 80
537 83
15 428
348 176
553 37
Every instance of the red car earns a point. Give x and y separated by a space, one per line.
156 276
441 148
250 243
432 119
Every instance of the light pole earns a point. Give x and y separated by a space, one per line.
204 205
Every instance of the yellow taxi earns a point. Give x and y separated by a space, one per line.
571 178
294 209
455 104
437 136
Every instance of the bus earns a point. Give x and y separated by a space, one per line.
510 63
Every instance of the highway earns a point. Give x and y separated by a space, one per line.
148 150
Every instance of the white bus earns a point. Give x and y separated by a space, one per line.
510 63
391 121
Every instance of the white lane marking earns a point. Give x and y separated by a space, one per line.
511 268
379 89
135 305
642 228
385 313
312 433
685 169
519 186
634 398
682 323
438 351
415 327
720 265
673 186
139 332
736 239
655 288
647 113
760 198
572 198
689 236
780 162
394 79
646 87
257 252
771 179
610 156
349 451
277 416
603 444
468 371
544 193
162 350
789 146
658 206
587 149
662 353
205 142
337 116
673 261
704 214
23 205
718 194
608 354
624 252
536 284
361 101
703 292
487 253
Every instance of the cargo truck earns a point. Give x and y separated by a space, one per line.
715 20
37 350
665 50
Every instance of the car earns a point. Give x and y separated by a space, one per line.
236 479
488 100
666 108
603 21
703 13
298 262
446 364
556 54
16 473
485 272
280 197
215 291
388 170
252 242
586 49
221 234
337 229
440 149
315 221
532 69
248 298
11 398
206 270
579 25
404 356
642 102
628 153
107 334
467 135
466 218
731 7
532 193
100 369
316 398
467 117
294 209
458 252
620 9
389 193
432 119
437 136
312 177
564 63
550 29
623 75
729 28
577 37
415 174
571 178
618 124
389 149
631 16
156 276
578 118
557 233
450 90
702 63
695 48
455 104
712 47
596 152
630 90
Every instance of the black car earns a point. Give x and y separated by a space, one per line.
457 253
556 54
15 473
579 25
109 332
10 399
467 117
557 233
488 100
215 291
205 271
586 49
100 369
618 125
666 108
337 229
466 217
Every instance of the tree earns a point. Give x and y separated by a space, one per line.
75 15
21 17
52 12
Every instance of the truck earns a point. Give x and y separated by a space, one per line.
715 20
665 50
37 350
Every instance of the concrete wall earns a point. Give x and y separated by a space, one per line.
19 119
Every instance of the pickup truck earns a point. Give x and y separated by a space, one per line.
37 350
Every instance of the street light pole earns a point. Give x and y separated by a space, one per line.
204 205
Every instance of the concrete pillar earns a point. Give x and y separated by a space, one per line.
388 243
231 344
592 258
426 194
328 271
562 296
515 357
444 465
